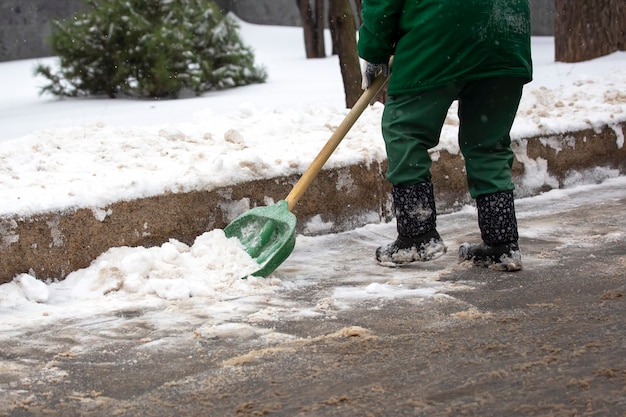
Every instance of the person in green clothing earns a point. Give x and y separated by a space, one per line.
478 53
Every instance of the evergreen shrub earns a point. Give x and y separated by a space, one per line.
149 48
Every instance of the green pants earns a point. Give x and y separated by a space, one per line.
412 124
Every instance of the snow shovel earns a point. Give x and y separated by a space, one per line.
268 234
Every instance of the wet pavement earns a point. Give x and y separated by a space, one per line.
450 340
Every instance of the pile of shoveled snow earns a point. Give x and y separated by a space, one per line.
212 267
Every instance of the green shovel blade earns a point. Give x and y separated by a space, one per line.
268 235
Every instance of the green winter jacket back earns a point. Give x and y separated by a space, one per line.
435 42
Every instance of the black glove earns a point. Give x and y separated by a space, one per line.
371 71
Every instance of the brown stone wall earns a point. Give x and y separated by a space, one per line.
52 245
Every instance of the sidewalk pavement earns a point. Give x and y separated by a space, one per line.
549 340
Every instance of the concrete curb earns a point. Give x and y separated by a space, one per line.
52 245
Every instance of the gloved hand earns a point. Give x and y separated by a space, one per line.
370 71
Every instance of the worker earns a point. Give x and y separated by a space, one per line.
476 52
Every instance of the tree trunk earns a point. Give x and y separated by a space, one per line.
308 27
319 28
587 29
343 33
313 27
382 96
359 7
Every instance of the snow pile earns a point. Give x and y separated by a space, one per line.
213 267
56 169
586 103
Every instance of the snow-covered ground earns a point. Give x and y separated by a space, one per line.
54 151
91 152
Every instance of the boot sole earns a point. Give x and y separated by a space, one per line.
506 263
430 254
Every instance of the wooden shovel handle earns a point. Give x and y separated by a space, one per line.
337 136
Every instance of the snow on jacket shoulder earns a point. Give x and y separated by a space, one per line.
435 42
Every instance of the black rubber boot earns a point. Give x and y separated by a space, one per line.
416 215
498 227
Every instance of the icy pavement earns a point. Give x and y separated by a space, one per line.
324 275
81 348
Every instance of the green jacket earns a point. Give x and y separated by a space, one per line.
435 42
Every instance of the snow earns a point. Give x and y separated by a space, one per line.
53 151
65 153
